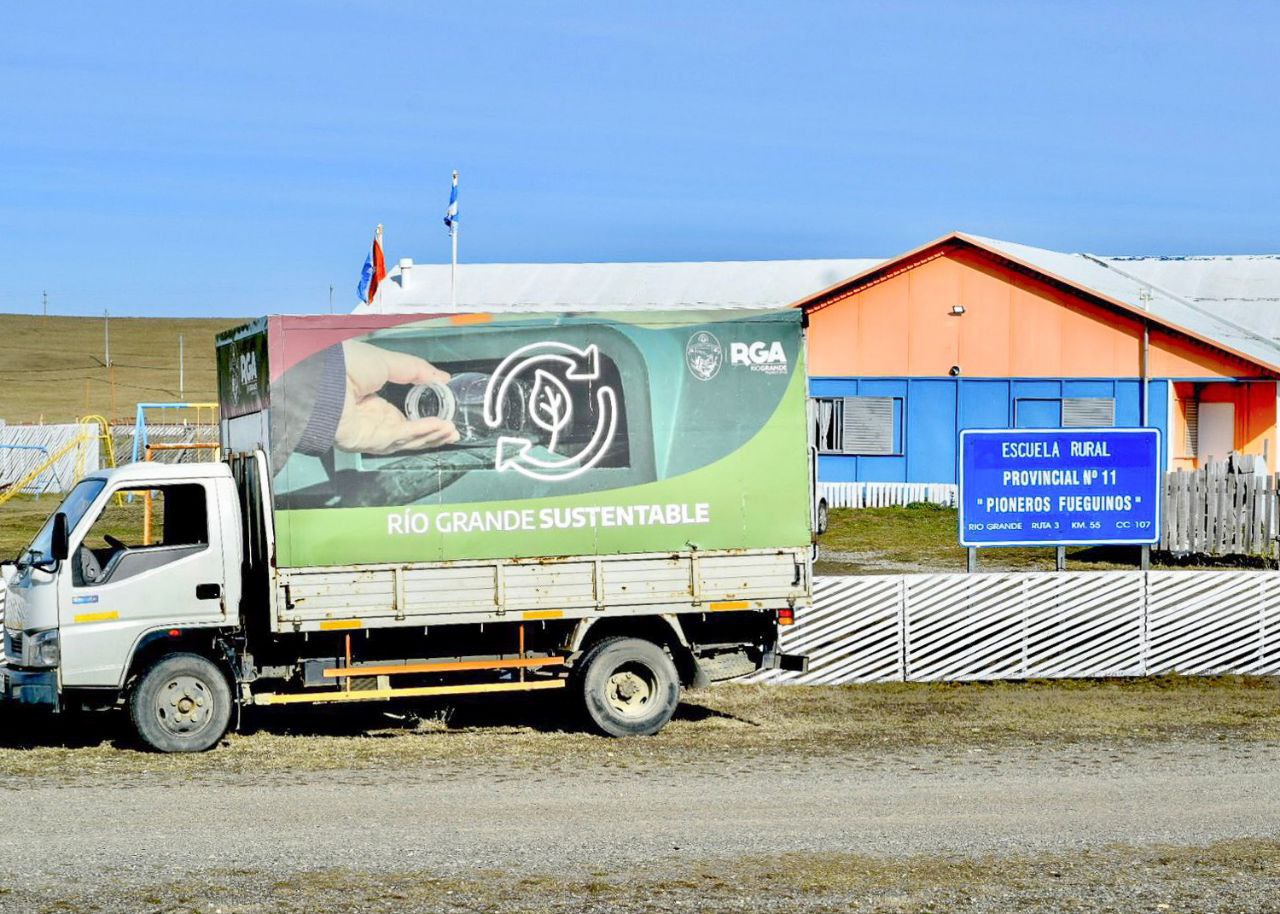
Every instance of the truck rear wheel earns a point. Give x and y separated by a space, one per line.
181 704
629 687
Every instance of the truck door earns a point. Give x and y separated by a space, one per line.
151 559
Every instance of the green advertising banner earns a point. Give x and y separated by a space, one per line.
539 435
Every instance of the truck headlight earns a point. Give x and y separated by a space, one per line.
41 649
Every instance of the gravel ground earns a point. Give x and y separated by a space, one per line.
1193 824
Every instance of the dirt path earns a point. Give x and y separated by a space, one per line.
1033 797
455 820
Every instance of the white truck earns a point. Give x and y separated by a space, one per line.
615 505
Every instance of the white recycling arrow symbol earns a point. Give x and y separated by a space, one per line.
550 409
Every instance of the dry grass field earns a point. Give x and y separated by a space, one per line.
724 724
52 368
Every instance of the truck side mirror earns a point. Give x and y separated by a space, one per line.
59 544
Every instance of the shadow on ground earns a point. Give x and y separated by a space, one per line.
36 730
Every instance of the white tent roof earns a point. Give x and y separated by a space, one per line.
609 286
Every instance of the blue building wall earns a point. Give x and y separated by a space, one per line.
931 412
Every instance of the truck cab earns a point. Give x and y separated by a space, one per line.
142 553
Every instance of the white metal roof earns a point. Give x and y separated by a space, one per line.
1233 300
1243 288
1132 281
609 286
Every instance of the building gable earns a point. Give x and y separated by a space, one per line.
956 307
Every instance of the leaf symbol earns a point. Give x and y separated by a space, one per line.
549 405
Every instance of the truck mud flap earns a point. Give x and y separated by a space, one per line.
793 663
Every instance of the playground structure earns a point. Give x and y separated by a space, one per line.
94 435
185 421
53 458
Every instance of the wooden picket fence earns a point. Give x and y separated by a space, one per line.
1225 508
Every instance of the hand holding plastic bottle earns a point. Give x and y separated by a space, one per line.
372 425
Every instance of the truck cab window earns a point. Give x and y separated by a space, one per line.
142 529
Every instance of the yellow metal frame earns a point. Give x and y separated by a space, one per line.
103 437
456 666
421 692
49 461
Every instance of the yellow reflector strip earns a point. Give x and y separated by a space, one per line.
729 604
98 617
329 625
544 614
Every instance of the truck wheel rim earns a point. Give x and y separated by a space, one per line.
184 705
630 690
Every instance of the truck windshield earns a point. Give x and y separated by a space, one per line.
74 506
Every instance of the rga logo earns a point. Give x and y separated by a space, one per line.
703 355
244 374
767 357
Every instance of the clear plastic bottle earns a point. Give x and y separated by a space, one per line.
461 401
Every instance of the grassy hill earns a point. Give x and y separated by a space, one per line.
52 370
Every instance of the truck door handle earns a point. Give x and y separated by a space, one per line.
208 591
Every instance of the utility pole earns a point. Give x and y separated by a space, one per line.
106 356
44 296
182 368
330 298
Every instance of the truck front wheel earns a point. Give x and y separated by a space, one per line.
181 704
629 686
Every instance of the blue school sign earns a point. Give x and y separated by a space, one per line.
1059 487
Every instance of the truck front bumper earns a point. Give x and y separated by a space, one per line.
29 687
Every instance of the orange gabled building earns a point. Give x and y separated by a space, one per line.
969 332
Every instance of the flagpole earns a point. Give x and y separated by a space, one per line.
453 270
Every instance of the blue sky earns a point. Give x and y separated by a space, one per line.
233 158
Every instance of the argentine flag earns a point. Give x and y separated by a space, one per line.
374 271
451 213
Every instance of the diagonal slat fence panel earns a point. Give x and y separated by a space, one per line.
964 626
852 634
1083 624
1207 622
958 627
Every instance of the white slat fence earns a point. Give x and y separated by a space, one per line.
885 494
1056 625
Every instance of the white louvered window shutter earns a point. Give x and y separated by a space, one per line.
1191 437
1088 412
868 426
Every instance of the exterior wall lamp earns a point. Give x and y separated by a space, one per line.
957 310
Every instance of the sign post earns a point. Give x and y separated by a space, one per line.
1059 487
